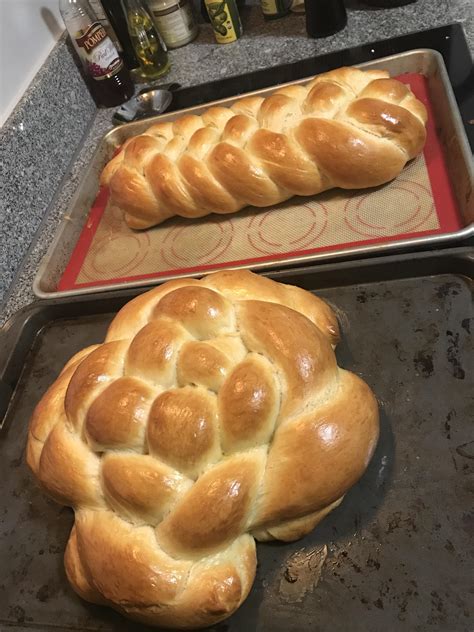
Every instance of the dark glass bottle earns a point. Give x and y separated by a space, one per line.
204 13
118 21
108 78
325 17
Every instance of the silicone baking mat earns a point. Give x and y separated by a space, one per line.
419 202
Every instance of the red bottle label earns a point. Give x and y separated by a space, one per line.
98 52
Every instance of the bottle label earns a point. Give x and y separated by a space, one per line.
176 23
269 7
98 52
225 21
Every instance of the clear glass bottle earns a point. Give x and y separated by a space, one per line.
147 43
109 79
174 20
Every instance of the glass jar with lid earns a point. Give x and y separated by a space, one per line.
175 21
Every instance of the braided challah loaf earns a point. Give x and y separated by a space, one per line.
346 128
214 413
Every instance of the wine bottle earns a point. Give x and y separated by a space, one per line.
118 21
109 80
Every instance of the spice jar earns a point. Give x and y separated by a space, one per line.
174 20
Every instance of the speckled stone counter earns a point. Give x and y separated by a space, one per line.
37 143
48 140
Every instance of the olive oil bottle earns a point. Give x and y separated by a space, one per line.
225 20
146 41
273 9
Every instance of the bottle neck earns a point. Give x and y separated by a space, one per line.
77 10
133 5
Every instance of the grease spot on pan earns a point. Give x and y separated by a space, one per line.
423 362
302 573
466 324
448 289
452 354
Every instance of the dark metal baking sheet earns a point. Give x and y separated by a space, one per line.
396 555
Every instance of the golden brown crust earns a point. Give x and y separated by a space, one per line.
325 98
182 429
249 403
137 313
214 410
232 167
117 417
203 312
334 147
346 128
76 573
216 509
202 364
390 121
154 350
50 407
140 487
276 332
215 589
128 568
68 470
296 528
289 168
91 376
242 284
204 188
342 430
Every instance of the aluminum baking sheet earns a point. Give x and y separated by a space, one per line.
459 160
397 553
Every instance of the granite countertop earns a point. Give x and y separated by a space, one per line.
42 167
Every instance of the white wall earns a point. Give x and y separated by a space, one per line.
28 31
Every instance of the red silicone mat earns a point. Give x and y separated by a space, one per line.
419 202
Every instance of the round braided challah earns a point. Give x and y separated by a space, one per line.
346 128
214 413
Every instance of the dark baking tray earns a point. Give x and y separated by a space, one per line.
399 548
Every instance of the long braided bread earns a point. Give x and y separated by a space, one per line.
346 128
214 413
